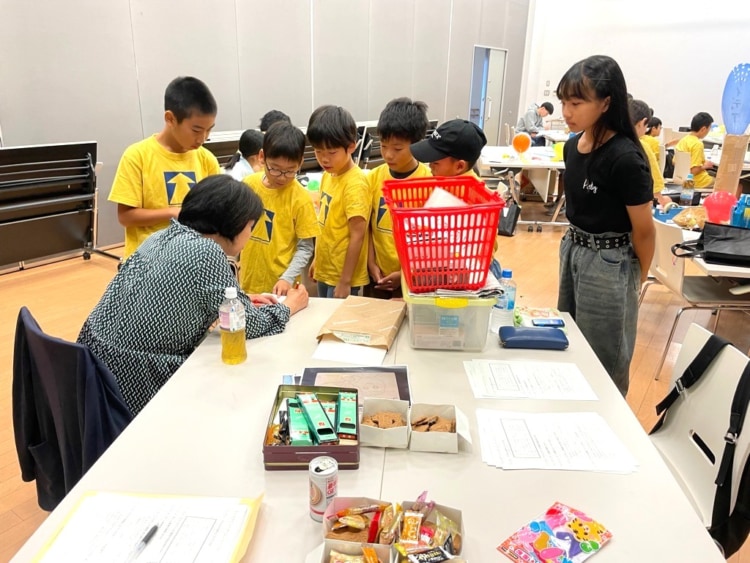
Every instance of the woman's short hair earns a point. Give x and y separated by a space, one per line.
220 205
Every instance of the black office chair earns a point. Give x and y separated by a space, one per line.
67 410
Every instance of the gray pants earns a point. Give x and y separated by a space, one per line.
599 288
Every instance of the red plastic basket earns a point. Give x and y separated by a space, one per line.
443 247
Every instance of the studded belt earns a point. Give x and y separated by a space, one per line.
597 242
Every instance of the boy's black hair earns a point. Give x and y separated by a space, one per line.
186 95
653 122
596 78
284 140
220 205
405 119
701 119
251 141
639 111
272 117
549 107
331 127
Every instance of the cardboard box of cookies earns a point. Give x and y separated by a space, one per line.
385 423
433 428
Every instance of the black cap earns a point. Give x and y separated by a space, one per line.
457 138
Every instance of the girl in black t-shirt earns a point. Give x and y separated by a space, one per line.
606 253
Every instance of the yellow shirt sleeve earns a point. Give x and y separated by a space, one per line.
656 175
127 187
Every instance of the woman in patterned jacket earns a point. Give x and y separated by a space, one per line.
166 296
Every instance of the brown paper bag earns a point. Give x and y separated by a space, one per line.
730 167
364 320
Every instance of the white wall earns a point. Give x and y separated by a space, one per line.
96 70
676 56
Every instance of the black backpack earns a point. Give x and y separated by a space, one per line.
728 529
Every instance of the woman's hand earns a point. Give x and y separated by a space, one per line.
263 299
297 299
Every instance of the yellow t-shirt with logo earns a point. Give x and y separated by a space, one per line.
656 174
341 198
288 216
653 144
151 177
381 223
693 145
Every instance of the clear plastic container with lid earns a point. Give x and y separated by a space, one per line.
232 327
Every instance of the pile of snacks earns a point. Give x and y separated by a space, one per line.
419 531
368 556
433 424
691 218
384 420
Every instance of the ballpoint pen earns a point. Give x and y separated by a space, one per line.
142 544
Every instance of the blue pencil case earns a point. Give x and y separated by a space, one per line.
534 338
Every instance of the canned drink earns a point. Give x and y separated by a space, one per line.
324 483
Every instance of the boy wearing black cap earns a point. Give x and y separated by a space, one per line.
453 148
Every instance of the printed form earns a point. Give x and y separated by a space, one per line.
576 441
110 526
493 379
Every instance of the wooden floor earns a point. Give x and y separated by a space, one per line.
61 295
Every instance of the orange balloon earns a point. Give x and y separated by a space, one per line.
521 142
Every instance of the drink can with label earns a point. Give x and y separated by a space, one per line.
324 482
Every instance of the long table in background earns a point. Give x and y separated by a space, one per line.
202 435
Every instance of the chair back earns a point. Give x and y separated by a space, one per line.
691 440
67 409
670 135
665 266
662 158
681 166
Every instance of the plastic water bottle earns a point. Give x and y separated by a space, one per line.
688 189
232 326
503 310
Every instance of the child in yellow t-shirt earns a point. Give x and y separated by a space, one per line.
651 136
401 123
693 144
281 244
640 113
340 264
155 174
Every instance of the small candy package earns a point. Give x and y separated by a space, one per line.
426 526
357 519
345 552
562 535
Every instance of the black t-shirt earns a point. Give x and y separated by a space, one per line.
599 185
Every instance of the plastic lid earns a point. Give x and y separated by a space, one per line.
230 293
507 274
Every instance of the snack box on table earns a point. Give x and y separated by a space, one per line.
449 512
397 437
439 442
283 457
448 323
385 552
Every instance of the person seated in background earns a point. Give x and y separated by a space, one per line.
400 124
532 122
246 160
166 296
271 117
639 115
155 174
651 136
693 143
282 243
